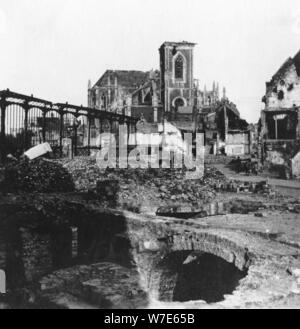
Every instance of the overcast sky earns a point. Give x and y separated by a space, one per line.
52 47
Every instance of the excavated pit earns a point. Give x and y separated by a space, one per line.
209 278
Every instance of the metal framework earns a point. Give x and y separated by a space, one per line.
26 121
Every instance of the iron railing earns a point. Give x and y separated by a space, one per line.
26 121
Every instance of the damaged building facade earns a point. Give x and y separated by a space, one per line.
280 120
225 132
172 95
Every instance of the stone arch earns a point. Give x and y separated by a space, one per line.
162 280
186 275
215 245
175 249
179 101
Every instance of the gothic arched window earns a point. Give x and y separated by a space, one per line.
179 67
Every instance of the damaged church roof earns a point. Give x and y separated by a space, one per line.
182 43
179 43
148 84
128 79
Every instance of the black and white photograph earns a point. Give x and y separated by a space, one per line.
149 157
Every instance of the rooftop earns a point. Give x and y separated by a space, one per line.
125 78
288 63
182 43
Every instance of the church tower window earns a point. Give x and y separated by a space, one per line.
179 67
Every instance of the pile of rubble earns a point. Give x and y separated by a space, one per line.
245 187
220 183
137 190
39 175
134 189
213 177
235 206
84 172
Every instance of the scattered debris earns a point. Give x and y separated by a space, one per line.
39 175
38 151
259 214
10 157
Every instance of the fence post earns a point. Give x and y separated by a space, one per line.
89 134
26 143
75 137
117 131
2 136
61 129
101 125
129 131
44 127
135 134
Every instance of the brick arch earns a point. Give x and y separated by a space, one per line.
162 280
166 269
173 248
212 244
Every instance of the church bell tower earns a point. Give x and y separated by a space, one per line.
177 79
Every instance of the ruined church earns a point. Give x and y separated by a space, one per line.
173 94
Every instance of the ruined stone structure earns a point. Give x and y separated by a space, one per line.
280 120
156 94
224 130
125 259
135 93
112 89
173 95
145 101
